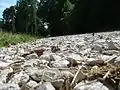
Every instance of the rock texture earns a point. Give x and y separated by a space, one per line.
75 62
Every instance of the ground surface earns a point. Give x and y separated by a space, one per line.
76 62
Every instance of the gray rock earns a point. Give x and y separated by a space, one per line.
73 56
4 64
91 85
19 58
31 84
95 62
45 86
55 57
45 57
111 45
67 74
32 56
35 73
97 48
59 83
9 87
50 75
31 63
81 45
59 64
44 62
4 73
19 78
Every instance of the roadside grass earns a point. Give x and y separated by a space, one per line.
8 38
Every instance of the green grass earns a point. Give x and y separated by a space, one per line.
7 38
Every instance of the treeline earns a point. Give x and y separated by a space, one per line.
61 17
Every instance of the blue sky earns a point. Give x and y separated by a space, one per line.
5 4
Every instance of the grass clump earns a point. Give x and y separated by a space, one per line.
8 38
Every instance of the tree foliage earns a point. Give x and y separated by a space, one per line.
55 12
61 16
93 16
9 16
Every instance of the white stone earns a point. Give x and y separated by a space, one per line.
55 57
67 74
60 64
4 73
4 64
92 85
34 72
9 87
31 63
45 57
31 84
72 56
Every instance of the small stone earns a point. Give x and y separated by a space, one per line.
45 86
97 48
19 78
73 56
44 62
55 57
31 56
50 75
4 73
55 49
9 87
74 63
91 85
4 64
95 62
67 74
31 84
45 57
39 52
31 63
111 45
58 83
24 54
59 64
35 73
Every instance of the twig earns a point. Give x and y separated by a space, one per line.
73 81
106 75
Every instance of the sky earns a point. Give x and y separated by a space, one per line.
5 4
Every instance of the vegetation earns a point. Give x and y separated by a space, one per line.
7 39
61 16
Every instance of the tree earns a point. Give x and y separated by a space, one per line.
34 6
24 15
53 12
9 16
27 20
93 16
